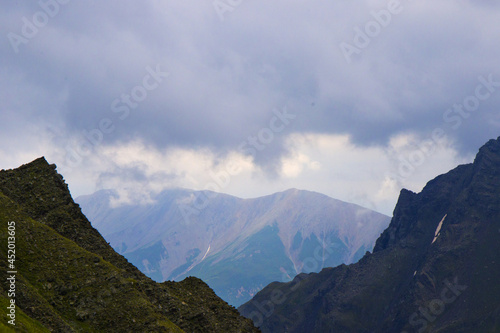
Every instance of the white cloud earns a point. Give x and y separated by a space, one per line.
330 164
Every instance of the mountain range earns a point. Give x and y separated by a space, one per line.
64 277
436 268
237 246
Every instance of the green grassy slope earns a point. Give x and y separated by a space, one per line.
70 280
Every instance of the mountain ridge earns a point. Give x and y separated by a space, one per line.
70 280
281 234
427 272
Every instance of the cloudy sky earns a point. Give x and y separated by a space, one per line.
354 99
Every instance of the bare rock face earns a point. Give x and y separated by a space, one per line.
434 269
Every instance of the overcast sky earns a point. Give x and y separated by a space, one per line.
354 99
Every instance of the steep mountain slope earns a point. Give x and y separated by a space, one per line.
237 246
434 269
70 280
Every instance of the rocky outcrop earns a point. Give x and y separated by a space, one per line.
434 269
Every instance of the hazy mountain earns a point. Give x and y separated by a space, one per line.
70 280
237 246
436 268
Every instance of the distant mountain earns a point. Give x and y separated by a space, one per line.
436 268
237 246
68 279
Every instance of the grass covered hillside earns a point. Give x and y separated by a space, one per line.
70 280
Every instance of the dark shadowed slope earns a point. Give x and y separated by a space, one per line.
435 269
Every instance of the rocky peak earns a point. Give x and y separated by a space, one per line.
441 240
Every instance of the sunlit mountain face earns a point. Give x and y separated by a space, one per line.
236 245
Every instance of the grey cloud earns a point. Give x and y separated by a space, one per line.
227 77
